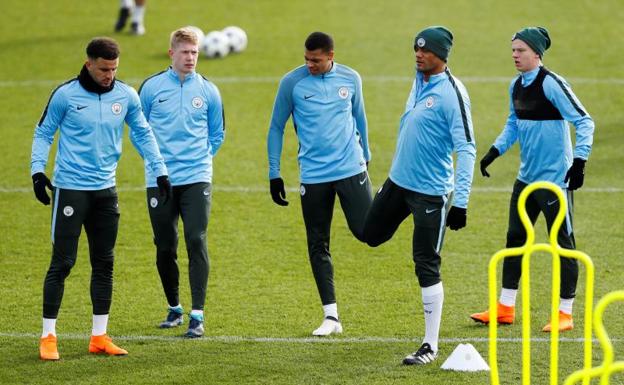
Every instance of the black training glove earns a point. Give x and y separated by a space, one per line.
40 182
456 218
278 193
576 174
488 159
164 187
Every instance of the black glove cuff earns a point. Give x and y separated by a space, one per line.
578 162
493 152
460 210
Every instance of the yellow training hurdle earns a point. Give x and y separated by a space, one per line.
555 250
607 367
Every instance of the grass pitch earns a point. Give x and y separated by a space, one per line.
262 302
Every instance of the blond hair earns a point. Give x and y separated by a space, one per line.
183 35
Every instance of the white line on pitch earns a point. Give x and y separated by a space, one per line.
262 189
275 79
235 339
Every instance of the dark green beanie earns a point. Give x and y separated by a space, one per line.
536 37
436 39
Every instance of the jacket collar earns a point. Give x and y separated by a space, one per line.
529 76
433 78
331 72
174 75
87 82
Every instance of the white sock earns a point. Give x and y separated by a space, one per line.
100 322
49 327
197 314
433 298
126 3
177 308
508 297
565 305
137 14
331 310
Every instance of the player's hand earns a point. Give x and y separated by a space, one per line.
488 159
40 182
456 218
164 187
278 193
576 174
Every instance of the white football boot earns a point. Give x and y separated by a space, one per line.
329 326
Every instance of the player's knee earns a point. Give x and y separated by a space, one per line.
62 263
370 237
104 261
165 254
358 233
196 242
515 239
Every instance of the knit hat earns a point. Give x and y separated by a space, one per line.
436 39
536 37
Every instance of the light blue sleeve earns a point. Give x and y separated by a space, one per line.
509 135
216 119
282 109
560 94
46 128
411 98
359 114
462 135
142 136
146 98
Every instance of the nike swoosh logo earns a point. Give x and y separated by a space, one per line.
363 181
429 211
81 107
306 97
550 203
162 100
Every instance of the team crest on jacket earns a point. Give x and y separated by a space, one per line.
197 102
343 92
153 202
429 102
116 108
68 211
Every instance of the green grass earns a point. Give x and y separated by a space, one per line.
260 282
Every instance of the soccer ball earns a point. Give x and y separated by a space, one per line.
198 32
237 38
215 45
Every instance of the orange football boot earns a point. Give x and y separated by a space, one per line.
104 345
506 315
47 348
565 323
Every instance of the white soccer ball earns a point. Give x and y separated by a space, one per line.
237 38
198 32
215 45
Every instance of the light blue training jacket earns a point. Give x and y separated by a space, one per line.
545 145
436 123
330 122
188 123
90 135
